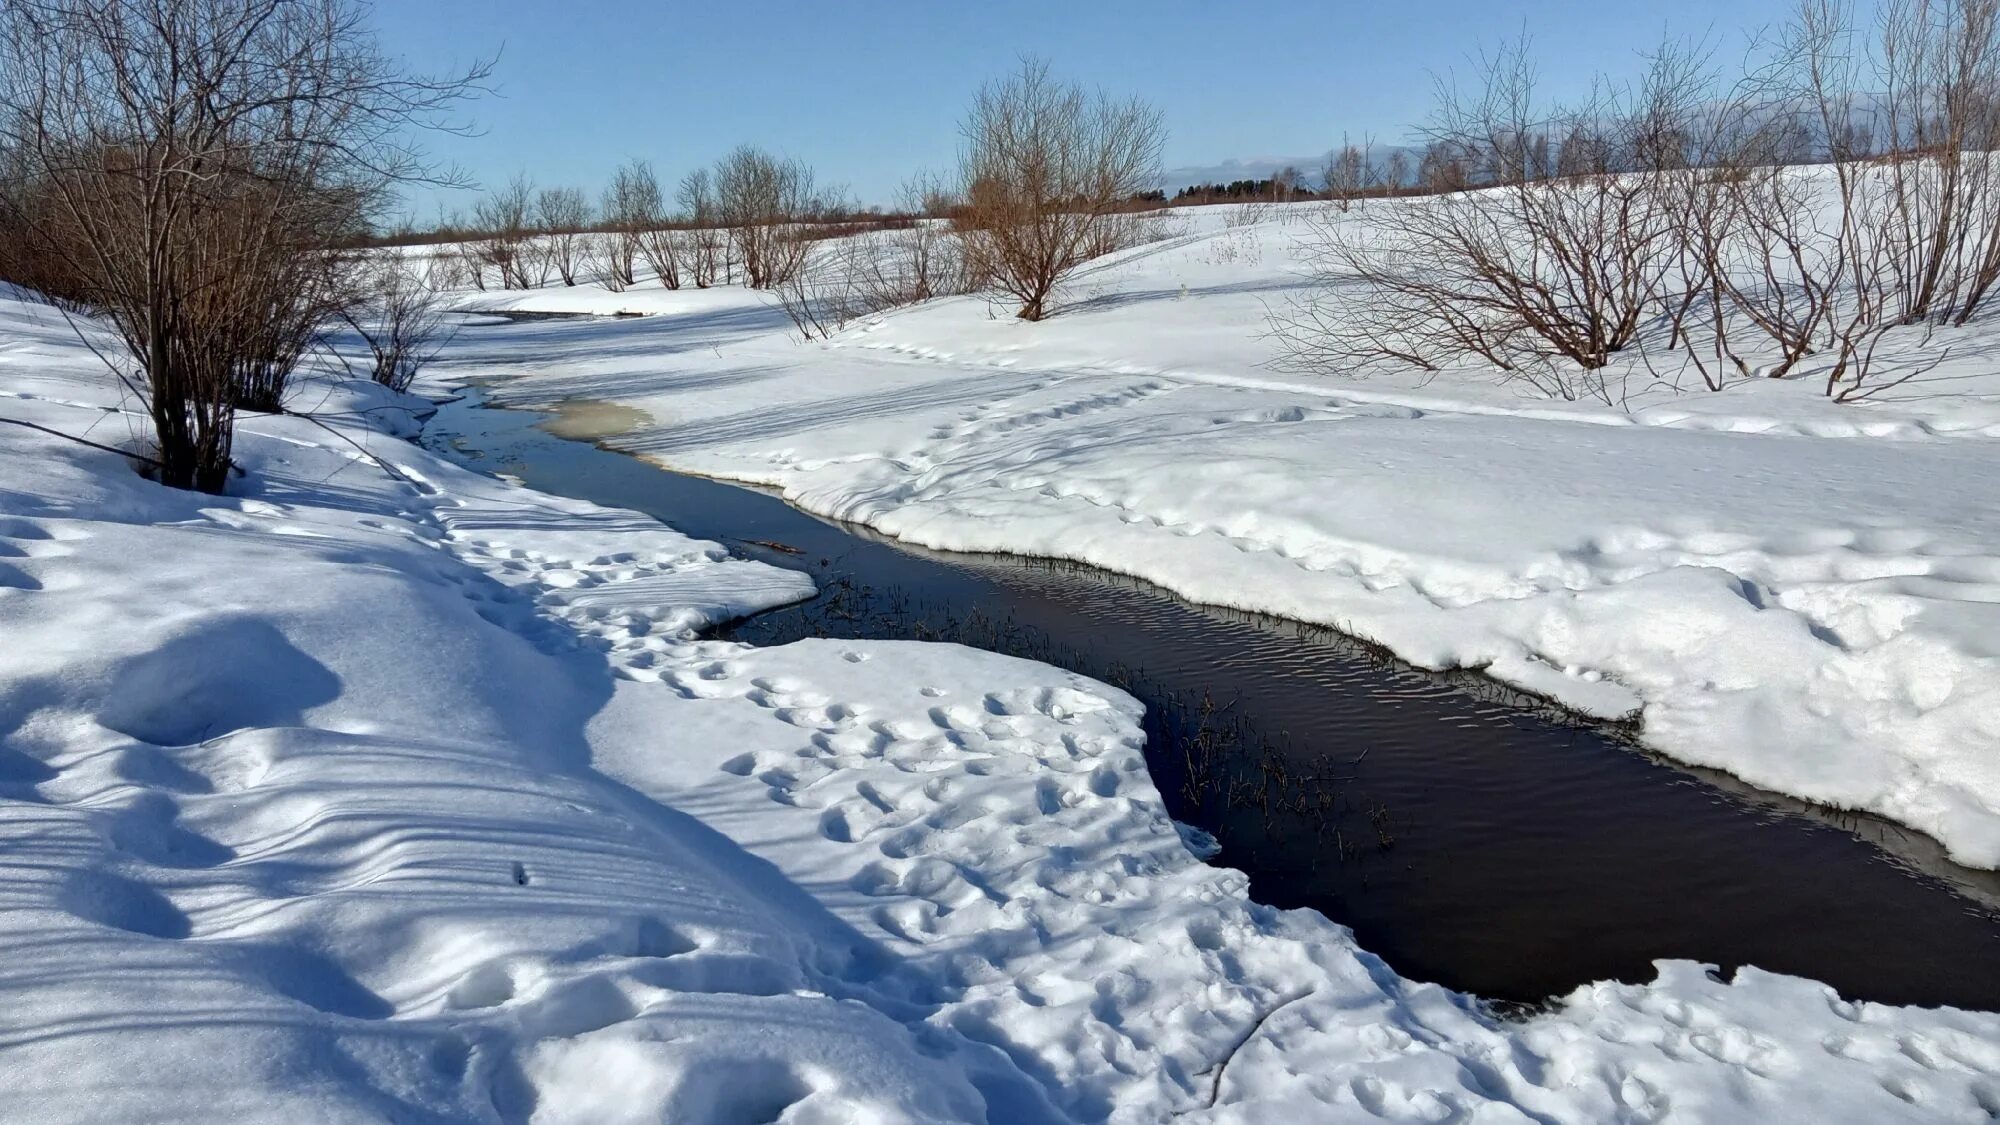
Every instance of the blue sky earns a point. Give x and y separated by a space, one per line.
868 93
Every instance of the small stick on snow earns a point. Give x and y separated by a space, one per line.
1222 1068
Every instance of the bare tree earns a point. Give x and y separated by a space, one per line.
1349 173
1546 271
401 318
505 219
652 226
706 238
1395 172
763 200
1044 171
561 215
1286 183
194 157
631 202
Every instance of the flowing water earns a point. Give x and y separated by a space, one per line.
1468 835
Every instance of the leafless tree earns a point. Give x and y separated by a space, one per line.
1443 167
706 238
1395 172
1044 171
916 262
1349 174
401 317
762 200
1546 271
1286 183
505 218
195 158
631 204
561 216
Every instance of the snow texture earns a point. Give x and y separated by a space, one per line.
381 791
1801 593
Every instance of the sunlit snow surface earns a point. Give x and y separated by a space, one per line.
1802 593
379 790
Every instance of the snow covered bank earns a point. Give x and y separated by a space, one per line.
382 791
1800 593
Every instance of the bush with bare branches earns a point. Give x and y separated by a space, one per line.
1044 175
401 317
505 217
561 216
195 159
636 211
1545 271
762 200
706 242
912 263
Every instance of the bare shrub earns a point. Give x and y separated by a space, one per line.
196 159
822 294
401 317
635 210
1830 266
597 255
505 218
1545 270
706 241
561 214
912 263
1044 173
450 270
630 206
1349 174
762 200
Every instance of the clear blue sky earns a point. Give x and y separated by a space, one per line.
868 93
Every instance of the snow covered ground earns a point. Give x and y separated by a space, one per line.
1802 593
381 791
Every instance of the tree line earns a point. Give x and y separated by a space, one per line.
1048 178
206 177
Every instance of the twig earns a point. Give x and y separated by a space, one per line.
83 441
1221 1068
363 450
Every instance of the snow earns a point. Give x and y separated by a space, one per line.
1802 593
379 790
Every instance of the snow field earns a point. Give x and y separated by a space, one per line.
1800 593
383 791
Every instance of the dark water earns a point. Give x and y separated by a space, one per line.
1469 836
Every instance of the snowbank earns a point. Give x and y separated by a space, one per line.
382 791
1804 594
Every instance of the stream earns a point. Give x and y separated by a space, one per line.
1468 834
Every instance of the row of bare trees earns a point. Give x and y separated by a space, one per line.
184 169
1045 177
1670 219
1045 173
752 212
197 172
